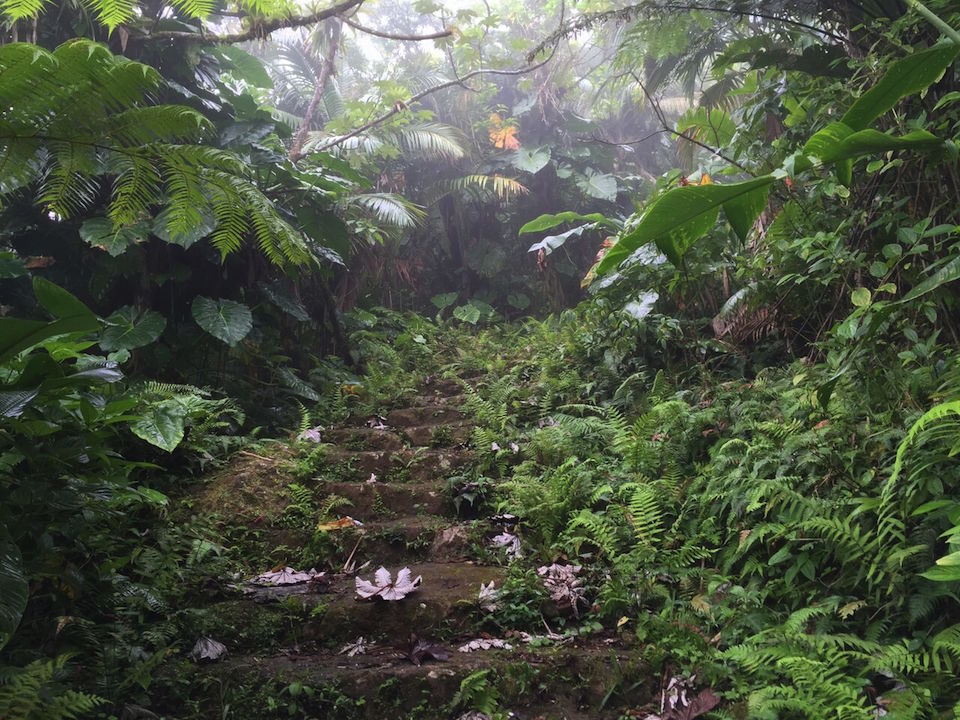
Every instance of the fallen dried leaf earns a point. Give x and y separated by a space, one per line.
564 586
344 522
357 647
488 597
287 576
485 644
208 649
421 650
509 542
385 587
311 434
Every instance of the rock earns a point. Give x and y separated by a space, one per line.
451 542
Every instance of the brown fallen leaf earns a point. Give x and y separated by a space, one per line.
422 650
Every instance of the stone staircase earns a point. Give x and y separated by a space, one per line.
396 480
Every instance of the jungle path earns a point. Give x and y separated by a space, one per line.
392 475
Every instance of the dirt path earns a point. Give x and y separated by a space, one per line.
396 481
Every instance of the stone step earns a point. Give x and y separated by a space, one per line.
329 614
424 415
445 435
392 465
379 500
363 438
358 439
399 540
597 678
441 387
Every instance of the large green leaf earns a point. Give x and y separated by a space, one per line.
14 589
243 65
905 77
947 273
100 233
531 161
161 425
838 141
714 127
743 210
126 330
224 319
72 316
546 222
467 313
599 185
284 299
552 242
683 215
60 303
203 225
14 402
11 266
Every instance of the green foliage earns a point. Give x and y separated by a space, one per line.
226 320
100 123
36 692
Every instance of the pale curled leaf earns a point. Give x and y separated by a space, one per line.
508 542
485 644
564 586
386 588
287 576
360 646
208 649
488 597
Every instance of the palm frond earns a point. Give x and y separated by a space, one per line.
388 208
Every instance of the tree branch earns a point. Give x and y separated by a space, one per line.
326 72
390 36
630 12
259 30
401 106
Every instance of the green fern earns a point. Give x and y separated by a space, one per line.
35 693
79 117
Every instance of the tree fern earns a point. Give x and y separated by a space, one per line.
80 116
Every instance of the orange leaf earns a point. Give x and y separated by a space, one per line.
342 523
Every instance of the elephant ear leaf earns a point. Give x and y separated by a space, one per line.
226 320
162 425
683 215
126 331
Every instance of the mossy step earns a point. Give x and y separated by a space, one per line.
370 500
367 439
424 415
363 438
391 465
444 435
399 540
446 601
597 678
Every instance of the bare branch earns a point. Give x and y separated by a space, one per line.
631 12
401 106
259 30
391 36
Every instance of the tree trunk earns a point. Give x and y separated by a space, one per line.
326 71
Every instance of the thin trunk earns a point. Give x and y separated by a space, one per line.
326 71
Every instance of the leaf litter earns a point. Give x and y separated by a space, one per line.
385 587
